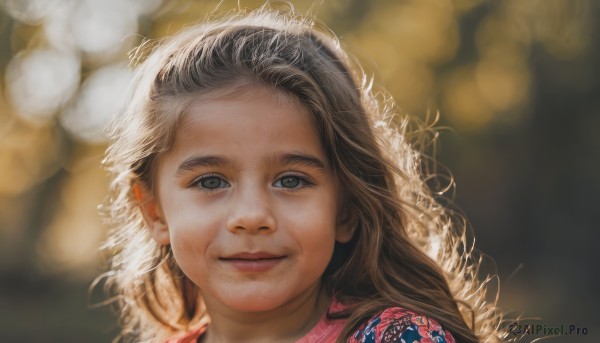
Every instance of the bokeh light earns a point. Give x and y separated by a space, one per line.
100 96
100 26
31 12
40 82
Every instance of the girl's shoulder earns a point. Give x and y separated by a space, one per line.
396 324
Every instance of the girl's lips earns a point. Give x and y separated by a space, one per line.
253 262
252 256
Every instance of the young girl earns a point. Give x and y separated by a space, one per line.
262 194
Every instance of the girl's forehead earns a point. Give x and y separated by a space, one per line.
248 119
242 91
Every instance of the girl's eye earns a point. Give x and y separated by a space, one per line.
291 181
211 182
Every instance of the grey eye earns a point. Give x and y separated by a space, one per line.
290 181
212 182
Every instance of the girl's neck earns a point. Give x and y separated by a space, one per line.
287 323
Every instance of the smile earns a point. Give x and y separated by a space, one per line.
253 262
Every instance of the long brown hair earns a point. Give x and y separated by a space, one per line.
408 250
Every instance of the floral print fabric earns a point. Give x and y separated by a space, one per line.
398 325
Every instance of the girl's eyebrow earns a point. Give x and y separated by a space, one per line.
297 158
293 158
202 161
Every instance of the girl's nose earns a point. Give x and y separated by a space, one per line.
250 211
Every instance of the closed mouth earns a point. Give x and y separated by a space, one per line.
253 262
252 256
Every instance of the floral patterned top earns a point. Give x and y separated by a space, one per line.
393 325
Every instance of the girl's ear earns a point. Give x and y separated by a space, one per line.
345 227
152 215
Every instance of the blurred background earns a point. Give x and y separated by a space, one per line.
516 83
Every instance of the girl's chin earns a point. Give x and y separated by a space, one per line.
254 303
257 296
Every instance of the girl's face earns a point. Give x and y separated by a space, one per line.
248 201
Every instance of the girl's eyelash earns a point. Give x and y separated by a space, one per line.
197 182
304 180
